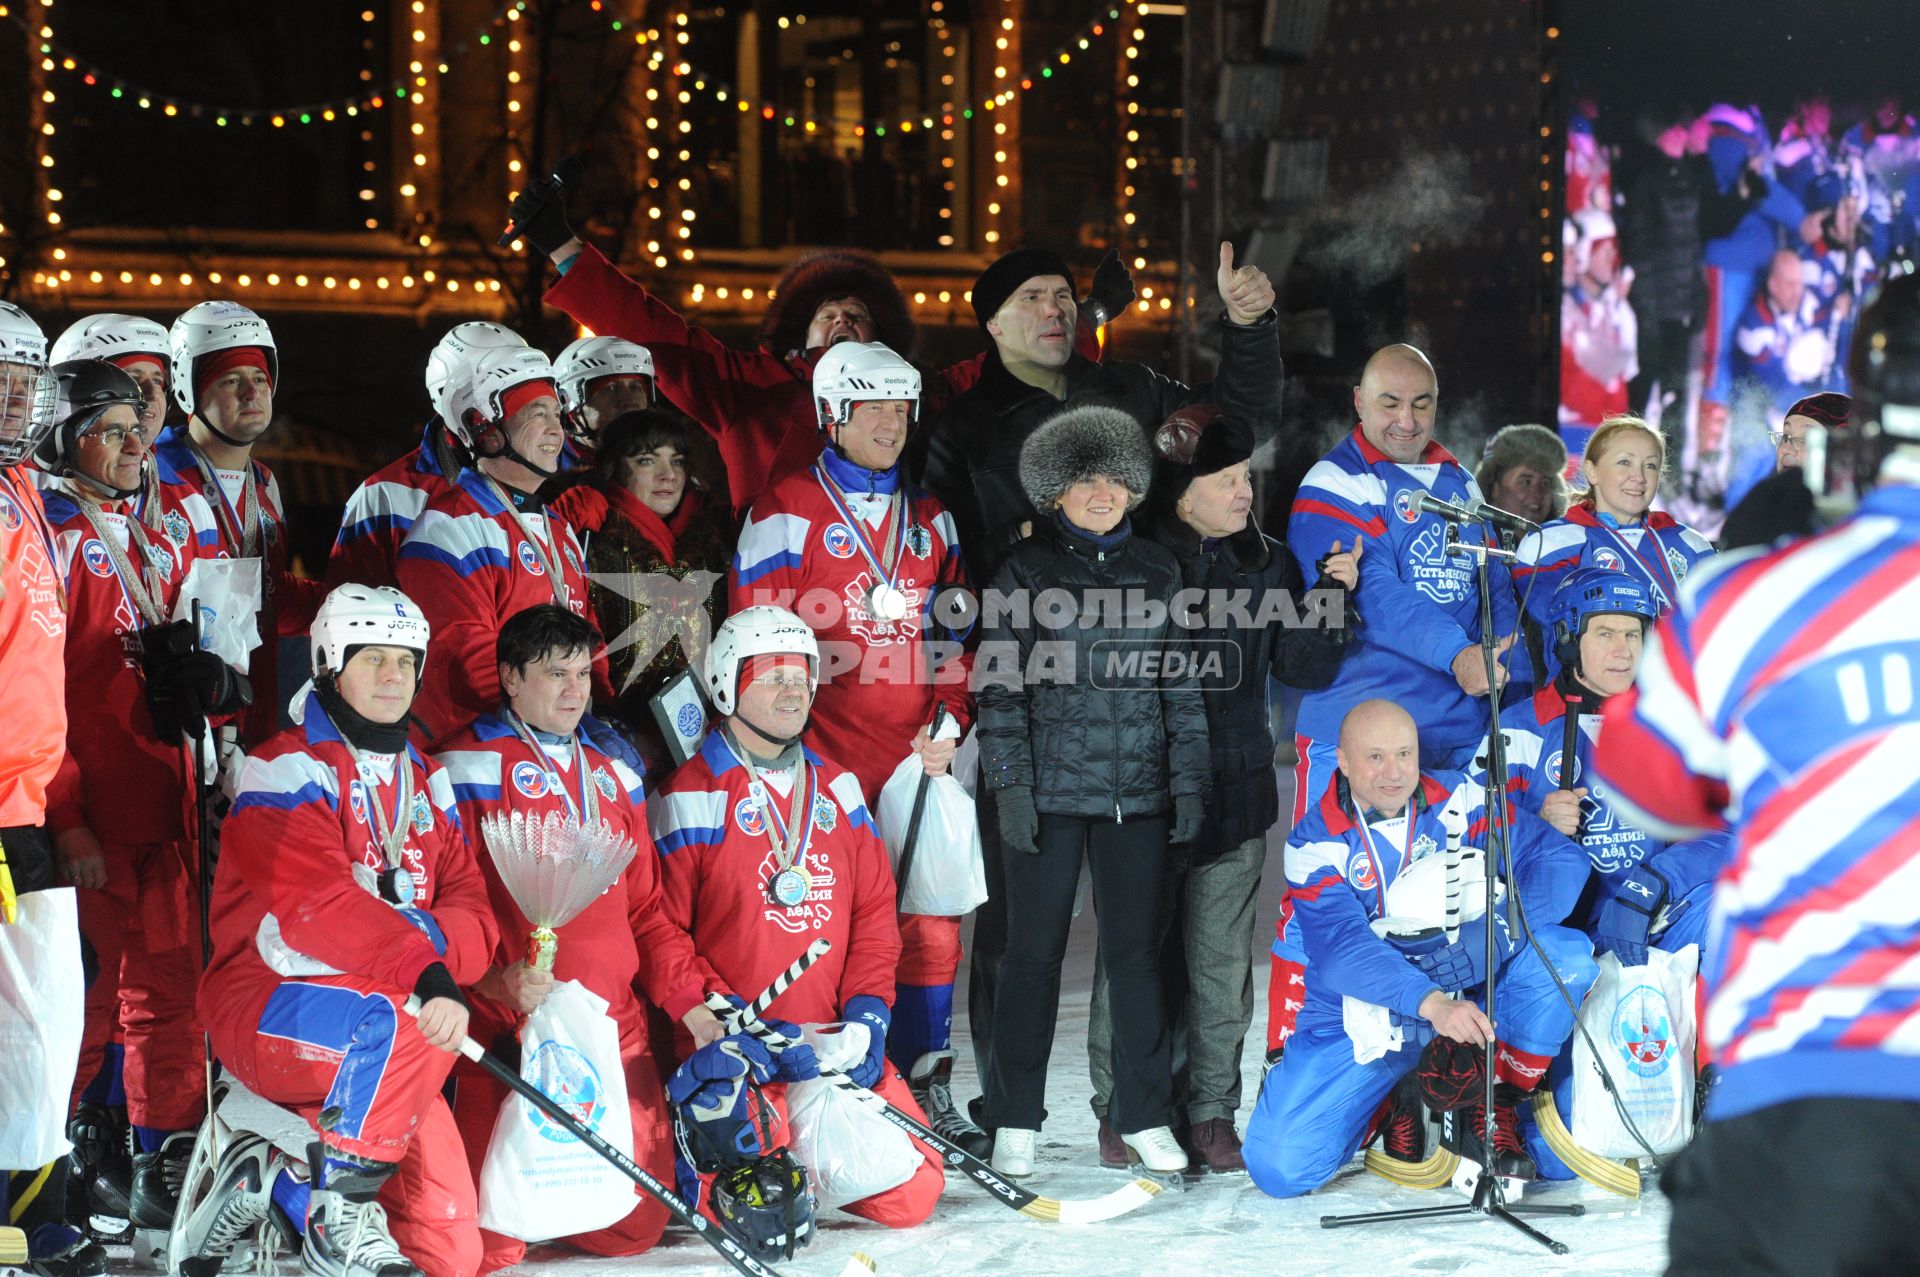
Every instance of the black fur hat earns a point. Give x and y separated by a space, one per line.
814 278
1080 443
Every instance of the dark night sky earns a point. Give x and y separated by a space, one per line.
1693 53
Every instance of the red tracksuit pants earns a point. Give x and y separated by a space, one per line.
144 926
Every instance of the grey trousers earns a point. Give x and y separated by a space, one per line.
1209 917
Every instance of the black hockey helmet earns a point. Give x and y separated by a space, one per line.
1884 371
84 389
766 1205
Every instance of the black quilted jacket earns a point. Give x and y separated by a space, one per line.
1096 727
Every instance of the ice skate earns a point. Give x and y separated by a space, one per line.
931 1081
346 1229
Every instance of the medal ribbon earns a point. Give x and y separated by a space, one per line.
1671 590
547 548
1373 854
899 510
247 517
143 588
587 810
392 836
791 837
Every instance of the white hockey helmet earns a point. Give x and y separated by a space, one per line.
27 386
494 373
450 365
591 358
111 337
852 372
208 329
756 631
358 615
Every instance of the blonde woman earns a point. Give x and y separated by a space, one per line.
1612 524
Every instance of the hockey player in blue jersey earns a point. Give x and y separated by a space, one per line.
1375 1007
1778 700
1644 892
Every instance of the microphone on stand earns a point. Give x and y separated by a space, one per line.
1475 511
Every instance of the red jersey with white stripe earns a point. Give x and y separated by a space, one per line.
120 780
717 861
809 545
289 896
33 627
496 770
471 562
1780 699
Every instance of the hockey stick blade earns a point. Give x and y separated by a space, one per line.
1129 1197
676 1206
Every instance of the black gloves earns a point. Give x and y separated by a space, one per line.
437 982
1019 822
1189 814
185 683
540 216
1111 291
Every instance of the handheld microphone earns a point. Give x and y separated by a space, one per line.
1476 511
566 175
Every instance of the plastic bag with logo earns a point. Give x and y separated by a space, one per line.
1642 1018
948 876
538 1182
228 592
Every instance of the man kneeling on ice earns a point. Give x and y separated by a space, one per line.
1382 1021
765 847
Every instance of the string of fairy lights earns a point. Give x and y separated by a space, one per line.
672 83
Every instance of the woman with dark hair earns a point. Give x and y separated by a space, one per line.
645 516
1093 744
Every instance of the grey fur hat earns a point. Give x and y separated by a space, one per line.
1535 447
1080 443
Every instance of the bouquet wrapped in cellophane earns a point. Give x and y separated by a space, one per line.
554 867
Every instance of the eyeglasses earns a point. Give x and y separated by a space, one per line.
114 436
1781 439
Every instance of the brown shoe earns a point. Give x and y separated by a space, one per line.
1113 1154
1217 1147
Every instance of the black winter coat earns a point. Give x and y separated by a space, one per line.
1094 729
973 448
1243 570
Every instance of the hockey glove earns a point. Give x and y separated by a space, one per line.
1623 921
1452 1074
539 216
1019 822
1463 964
793 1063
715 1077
1111 291
1189 814
864 1008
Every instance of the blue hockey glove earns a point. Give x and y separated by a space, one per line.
1462 964
864 1008
793 1063
1624 919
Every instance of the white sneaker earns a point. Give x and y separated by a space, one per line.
1013 1151
1156 1150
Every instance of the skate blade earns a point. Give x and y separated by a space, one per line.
1435 1171
1175 1180
13 1246
1602 1172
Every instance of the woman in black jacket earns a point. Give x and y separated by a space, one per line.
1092 741
1250 620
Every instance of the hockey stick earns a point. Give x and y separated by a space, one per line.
736 1017
1051 1210
729 1249
940 717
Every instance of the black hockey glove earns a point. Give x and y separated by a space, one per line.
540 216
1019 822
1111 291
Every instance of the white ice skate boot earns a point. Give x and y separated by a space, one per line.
1156 1150
1013 1149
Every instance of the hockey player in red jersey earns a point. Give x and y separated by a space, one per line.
540 753
384 509
488 546
117 810
346 883
225 369
871 561
765 846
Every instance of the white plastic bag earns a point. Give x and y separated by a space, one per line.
948 877
229 593
41 997
538 1181
1642 1018
850 1151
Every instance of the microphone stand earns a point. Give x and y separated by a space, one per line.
1489 1197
